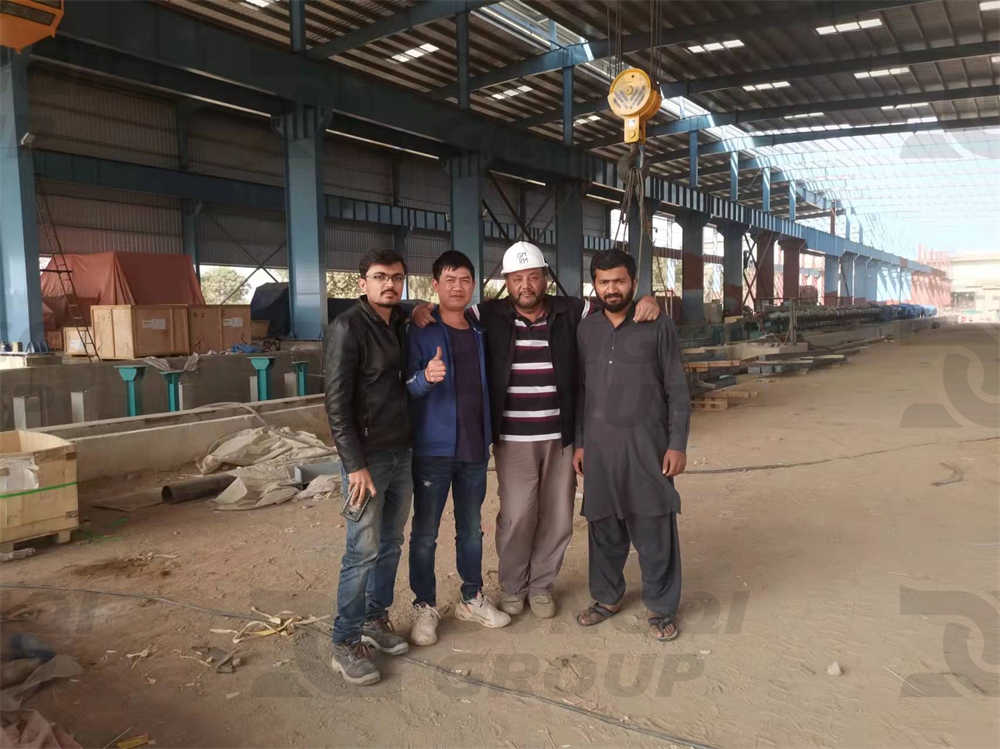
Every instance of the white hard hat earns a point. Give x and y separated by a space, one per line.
522 256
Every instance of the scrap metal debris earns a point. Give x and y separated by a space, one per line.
957 475
218 659
140 655
283 623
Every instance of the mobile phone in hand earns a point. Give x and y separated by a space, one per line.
355 513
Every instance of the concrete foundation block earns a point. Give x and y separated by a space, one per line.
188 395
291 385
27 411
82 406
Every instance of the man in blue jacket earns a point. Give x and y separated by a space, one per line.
450 414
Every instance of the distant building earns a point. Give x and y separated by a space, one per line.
975 284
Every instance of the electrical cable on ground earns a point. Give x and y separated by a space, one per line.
772 466
523 694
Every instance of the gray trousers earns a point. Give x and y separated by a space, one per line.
537 489
655 540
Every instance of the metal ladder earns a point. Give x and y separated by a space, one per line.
60 266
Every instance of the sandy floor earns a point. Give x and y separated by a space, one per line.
883 557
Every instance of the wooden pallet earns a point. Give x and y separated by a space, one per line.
61 537
708 365
718 400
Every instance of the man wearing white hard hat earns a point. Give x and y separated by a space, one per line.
532 361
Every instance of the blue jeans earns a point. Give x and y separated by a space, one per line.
368 568
432 478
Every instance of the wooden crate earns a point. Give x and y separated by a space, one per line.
125 331
218 327
54 340
37 487
73 344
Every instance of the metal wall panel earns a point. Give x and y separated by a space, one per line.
595 217
423 249
82 117
350 168
346 243
235 146
226 238
423 183
88 219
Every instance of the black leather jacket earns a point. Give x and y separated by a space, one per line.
363 366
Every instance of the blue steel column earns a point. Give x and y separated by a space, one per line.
831 280
189 232
734 176
693 159
692 266
791 201
732 266
765 189
569 235
21 305
567 105
860 280
466 211
874 270
848 290
637 232
305 217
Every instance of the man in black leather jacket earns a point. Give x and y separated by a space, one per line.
366 403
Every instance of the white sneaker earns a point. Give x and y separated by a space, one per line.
425 624
481 611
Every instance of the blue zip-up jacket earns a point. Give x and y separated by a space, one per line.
434 407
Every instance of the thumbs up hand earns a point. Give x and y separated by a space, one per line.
436 369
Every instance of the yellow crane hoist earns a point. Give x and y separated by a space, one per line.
635 99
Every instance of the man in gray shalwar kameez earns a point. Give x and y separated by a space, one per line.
632 429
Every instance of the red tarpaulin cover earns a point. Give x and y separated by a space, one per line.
119 278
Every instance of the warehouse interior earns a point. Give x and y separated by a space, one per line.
807 173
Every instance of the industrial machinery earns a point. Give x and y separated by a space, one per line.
24 22
635 98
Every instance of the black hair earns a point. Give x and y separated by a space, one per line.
379 257
612 259
452 259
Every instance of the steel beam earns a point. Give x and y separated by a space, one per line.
739 117
763 141
467 172
462 58
577 54
297 25
695 86
417 15
305 218
569 235
159 33
21 301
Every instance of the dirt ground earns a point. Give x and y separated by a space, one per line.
880 552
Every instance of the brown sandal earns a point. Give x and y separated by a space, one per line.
663 628
595 614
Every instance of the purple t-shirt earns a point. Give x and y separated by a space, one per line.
471 446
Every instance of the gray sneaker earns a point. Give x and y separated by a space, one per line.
379 634
354 662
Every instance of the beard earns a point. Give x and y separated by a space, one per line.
617 302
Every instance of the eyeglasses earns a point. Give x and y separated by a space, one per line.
383 277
